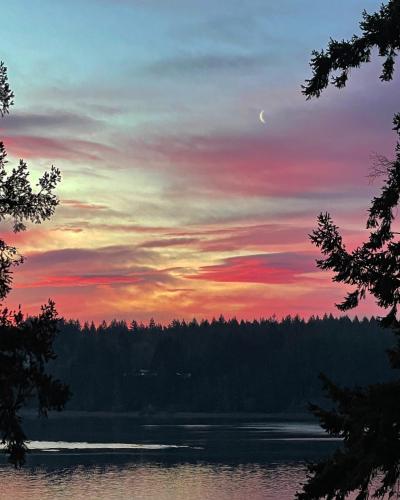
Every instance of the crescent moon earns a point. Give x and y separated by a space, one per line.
262 117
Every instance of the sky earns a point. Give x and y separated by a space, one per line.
175 200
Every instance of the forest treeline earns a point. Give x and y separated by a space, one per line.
221 366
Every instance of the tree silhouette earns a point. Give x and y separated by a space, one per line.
368 419
25 343
229 366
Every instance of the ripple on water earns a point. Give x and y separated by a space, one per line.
153 481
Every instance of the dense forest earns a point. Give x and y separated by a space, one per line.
221 366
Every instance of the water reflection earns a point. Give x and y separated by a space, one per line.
56 446
106 459
154 481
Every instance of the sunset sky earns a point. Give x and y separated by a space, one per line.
176 201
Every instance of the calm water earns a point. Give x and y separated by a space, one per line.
180 461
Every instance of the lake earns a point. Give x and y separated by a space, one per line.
149 459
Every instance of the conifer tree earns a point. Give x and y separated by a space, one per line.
368 419
26 344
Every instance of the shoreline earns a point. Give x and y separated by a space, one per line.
171 415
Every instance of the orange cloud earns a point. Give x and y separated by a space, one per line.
78 280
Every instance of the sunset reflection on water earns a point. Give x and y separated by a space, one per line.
150 481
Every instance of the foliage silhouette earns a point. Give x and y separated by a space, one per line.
368 419
216 366
25 344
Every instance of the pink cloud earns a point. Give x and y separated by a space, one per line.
26 146
263 268
115 265
81 205
307 149
256 164
255 236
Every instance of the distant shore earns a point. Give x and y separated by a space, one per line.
176 416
